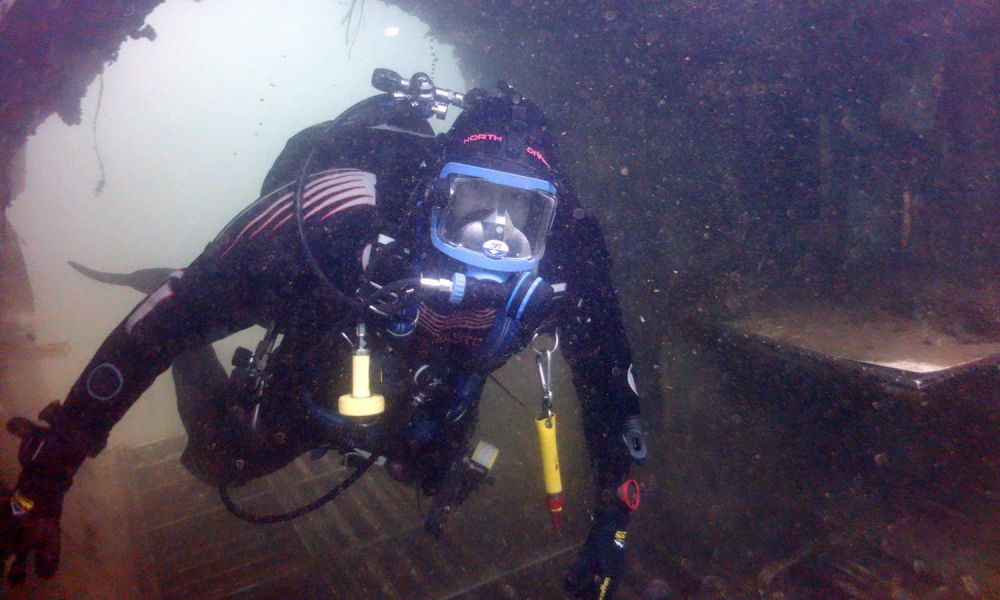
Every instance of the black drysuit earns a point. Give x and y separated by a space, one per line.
362 184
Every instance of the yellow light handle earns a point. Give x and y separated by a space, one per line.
546 427
360 364
360 402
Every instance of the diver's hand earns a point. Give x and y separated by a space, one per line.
28 531
29 516
599 566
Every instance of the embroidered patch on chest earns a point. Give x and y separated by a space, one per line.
467 328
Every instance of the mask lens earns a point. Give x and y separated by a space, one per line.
497 220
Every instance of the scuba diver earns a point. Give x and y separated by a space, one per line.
374 247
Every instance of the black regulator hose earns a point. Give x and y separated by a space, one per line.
300 186
356 113
359 304
370 112
354 303
396 424
298 512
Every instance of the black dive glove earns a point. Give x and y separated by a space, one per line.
601 562
29 516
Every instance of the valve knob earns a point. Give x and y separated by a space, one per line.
386 80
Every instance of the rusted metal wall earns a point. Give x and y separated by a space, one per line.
748 143
51 51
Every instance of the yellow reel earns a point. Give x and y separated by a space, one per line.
361 402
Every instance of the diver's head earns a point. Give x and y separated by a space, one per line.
494 198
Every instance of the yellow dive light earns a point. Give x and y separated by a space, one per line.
554 498
361 402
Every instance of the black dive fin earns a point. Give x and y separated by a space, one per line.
144 280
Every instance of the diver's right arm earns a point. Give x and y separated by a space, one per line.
182 313
250 274
191 308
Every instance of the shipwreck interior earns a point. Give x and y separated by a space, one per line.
802 201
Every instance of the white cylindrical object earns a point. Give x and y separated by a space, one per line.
360 402
360 364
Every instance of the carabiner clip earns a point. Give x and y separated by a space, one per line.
543 360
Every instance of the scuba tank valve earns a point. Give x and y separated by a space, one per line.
361 402
418 91
546 427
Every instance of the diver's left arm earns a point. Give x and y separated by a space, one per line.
594 343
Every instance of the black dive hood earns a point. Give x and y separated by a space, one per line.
503 131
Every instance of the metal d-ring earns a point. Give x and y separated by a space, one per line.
540 350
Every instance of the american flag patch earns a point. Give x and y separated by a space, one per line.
325 194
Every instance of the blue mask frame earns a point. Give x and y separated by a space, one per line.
478 260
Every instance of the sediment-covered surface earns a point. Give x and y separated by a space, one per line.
798 475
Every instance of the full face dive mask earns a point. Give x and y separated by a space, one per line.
492 221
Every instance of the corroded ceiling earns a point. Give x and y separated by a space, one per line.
51 51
